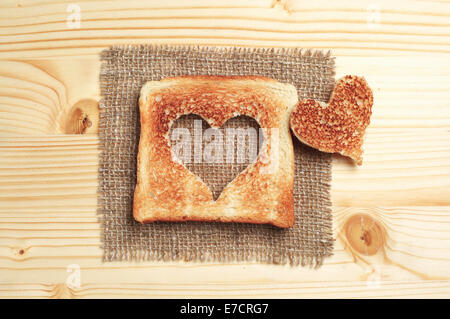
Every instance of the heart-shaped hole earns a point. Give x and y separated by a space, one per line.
216 155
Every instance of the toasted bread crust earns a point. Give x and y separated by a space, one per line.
339 126
167 191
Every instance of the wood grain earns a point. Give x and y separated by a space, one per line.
391 216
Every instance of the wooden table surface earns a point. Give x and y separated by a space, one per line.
391 216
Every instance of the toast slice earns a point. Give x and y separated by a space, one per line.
338 126
262 193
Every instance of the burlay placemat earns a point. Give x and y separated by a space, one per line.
124 70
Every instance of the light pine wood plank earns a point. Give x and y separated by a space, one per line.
402 167
430 289
42 97
48 222
415 245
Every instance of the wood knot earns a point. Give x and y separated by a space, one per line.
364 234
82 118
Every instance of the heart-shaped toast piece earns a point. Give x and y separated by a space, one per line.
337 126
